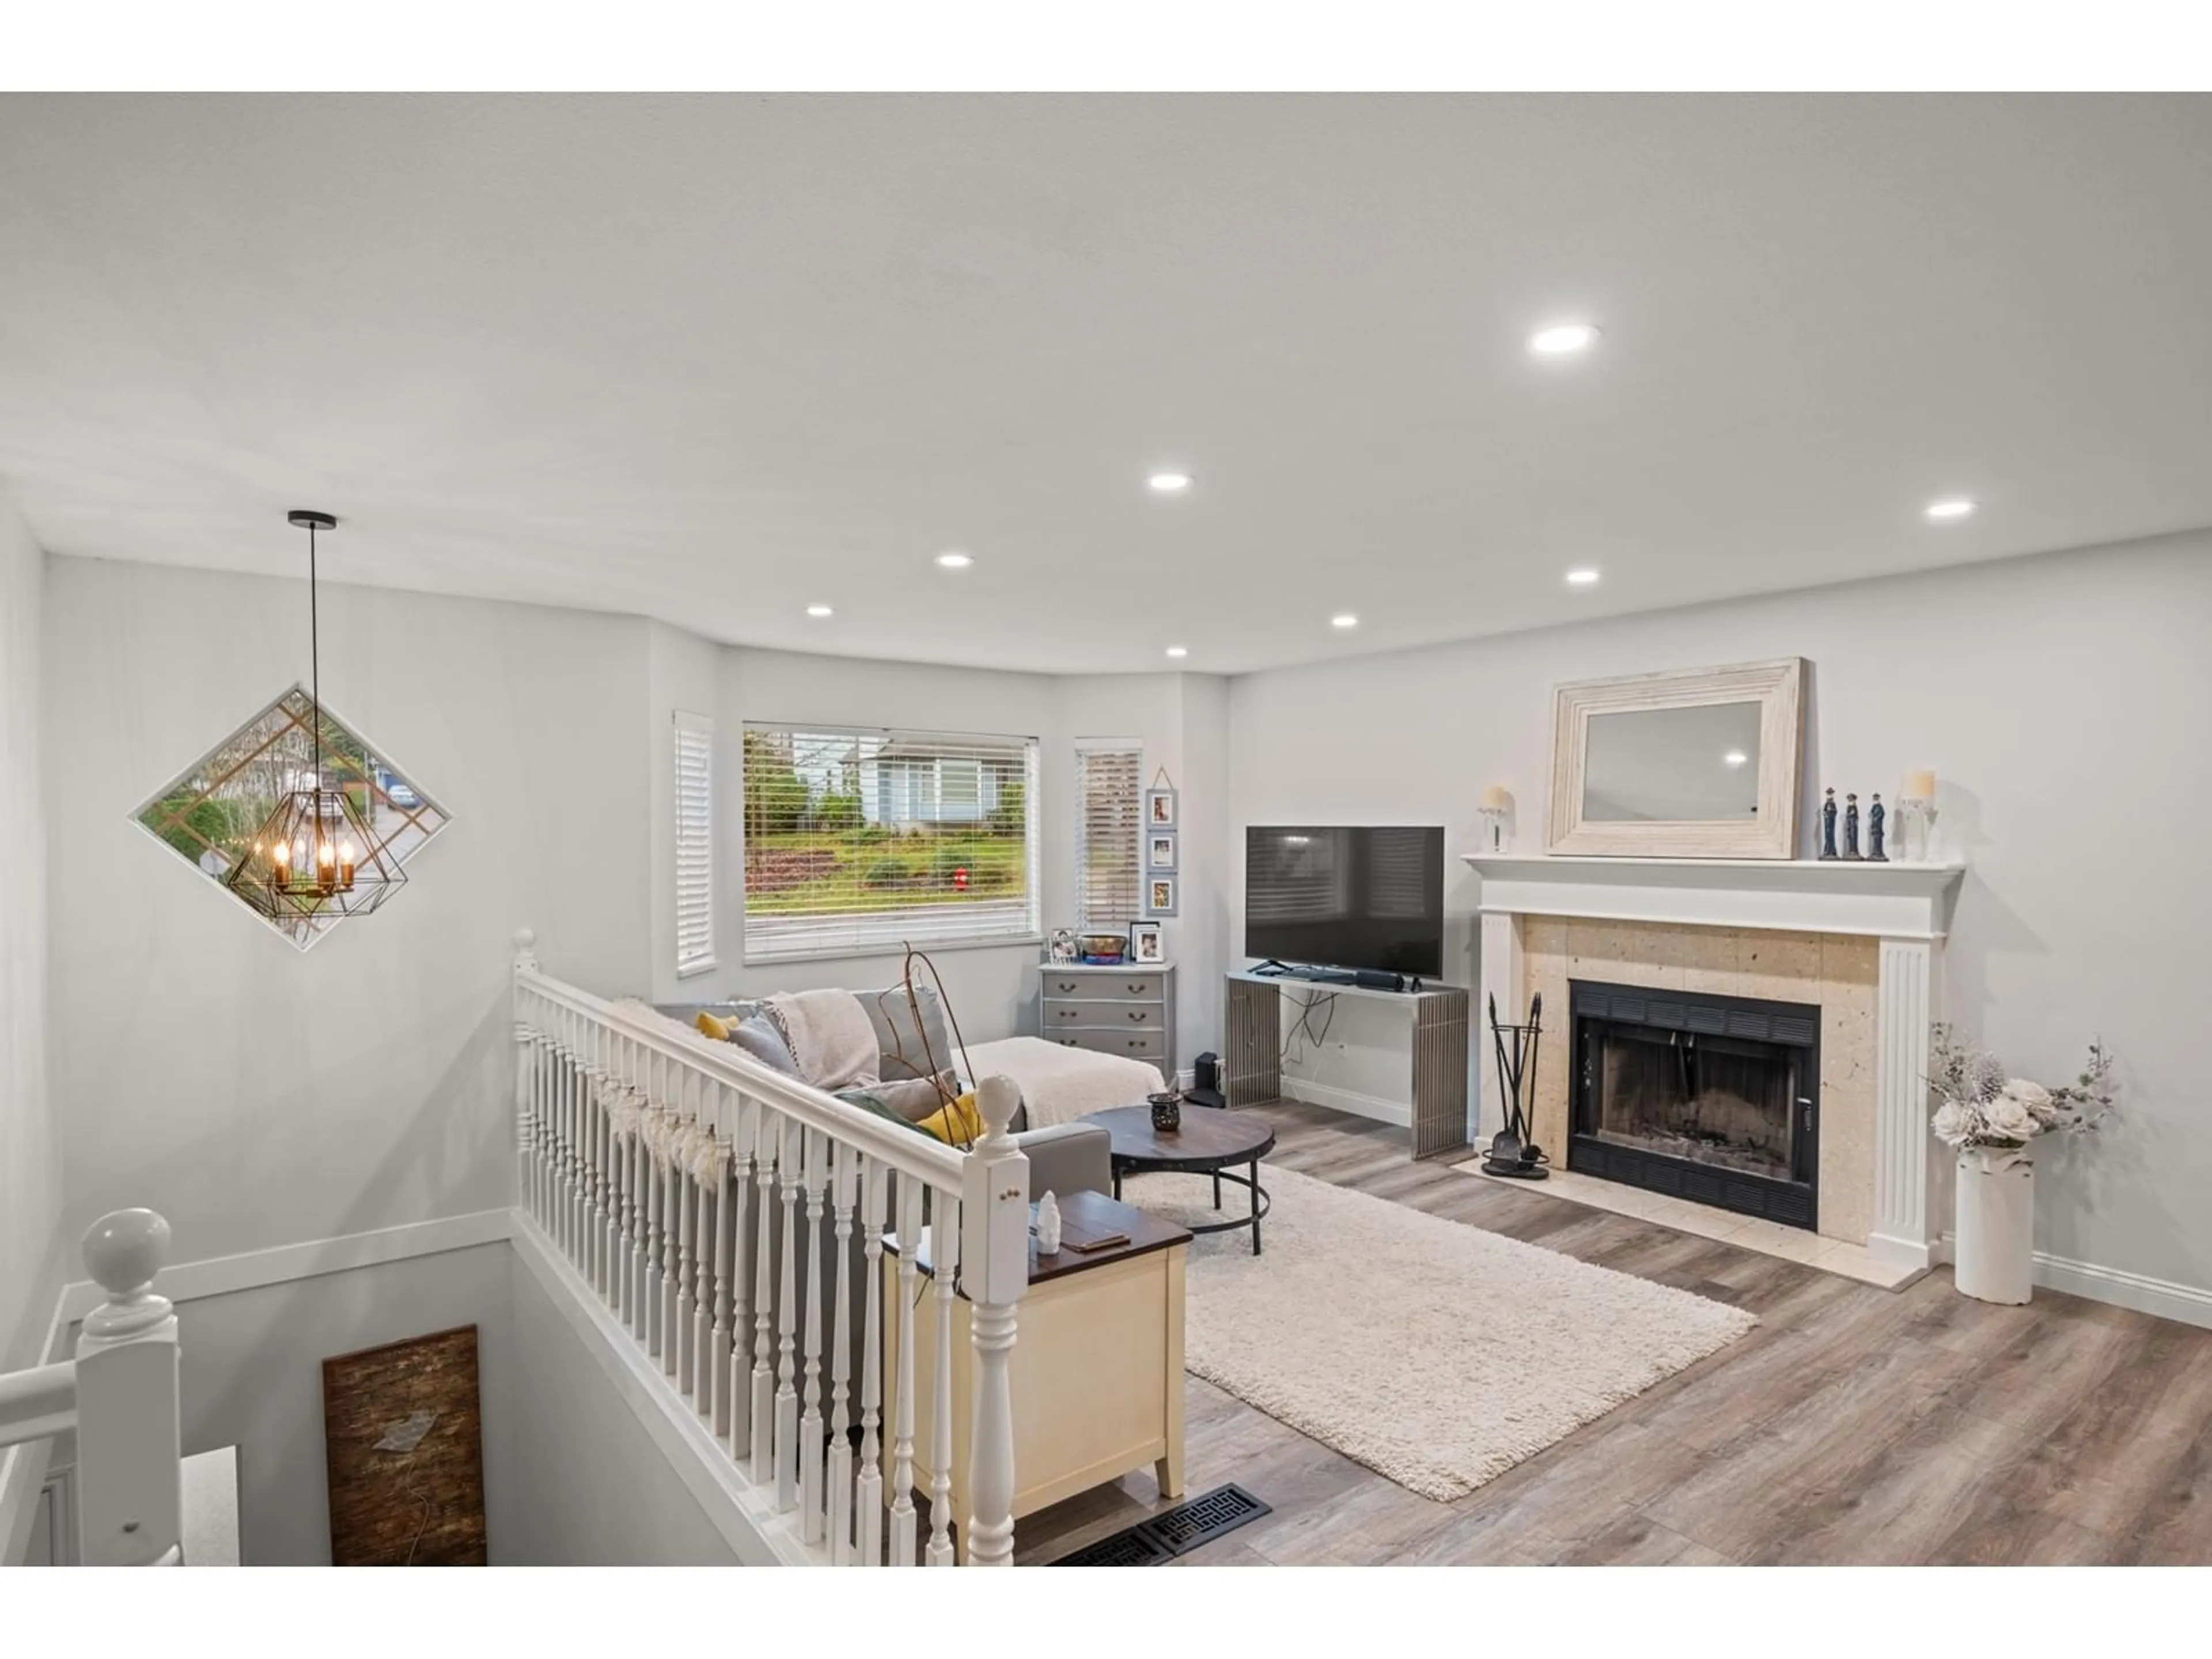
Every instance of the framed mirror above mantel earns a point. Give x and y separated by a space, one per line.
1699 763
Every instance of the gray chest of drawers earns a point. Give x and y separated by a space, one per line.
1115 1011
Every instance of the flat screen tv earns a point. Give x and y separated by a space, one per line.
1332 897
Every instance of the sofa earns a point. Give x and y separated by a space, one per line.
1064 1157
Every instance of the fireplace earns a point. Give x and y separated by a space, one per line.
1710 1098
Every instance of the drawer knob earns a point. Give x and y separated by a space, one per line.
1140 1013
1138 987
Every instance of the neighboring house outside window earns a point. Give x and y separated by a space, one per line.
857 839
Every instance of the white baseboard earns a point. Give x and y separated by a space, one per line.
2188 1305
223 1275
1399 1112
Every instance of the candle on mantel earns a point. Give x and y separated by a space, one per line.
1918 786
1496 798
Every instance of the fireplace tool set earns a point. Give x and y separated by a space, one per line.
1511 1151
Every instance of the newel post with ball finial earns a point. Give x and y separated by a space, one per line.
130 1455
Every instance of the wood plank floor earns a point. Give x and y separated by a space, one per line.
1853 1426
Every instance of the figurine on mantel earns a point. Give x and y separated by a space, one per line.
1876 814
1850 827
1828 826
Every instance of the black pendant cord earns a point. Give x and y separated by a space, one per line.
315 677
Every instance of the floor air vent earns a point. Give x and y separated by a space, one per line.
1172 1532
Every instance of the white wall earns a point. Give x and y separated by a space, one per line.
591 1487
252 1368
30 1142
2062 701
993 989
258 1096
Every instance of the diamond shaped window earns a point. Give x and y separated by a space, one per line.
208 815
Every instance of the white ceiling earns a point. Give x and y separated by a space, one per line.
711 359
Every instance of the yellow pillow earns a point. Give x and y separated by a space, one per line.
959 1124
719 1029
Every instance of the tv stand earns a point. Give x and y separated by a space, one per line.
1252 1067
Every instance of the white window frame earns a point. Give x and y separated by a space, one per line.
967 925
1085 920
693 893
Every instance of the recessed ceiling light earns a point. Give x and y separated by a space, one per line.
819 610
1344 620
1563 339
1169 483
1583 578
1178 651
1953 507
955 561
1734 757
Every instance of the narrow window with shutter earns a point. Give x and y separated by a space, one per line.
859 840
695 844
1110 807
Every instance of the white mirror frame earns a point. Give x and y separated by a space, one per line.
1776 686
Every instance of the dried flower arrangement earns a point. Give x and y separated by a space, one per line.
1984 1107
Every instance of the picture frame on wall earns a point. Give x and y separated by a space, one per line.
1159 810
1160 851
1147 943
1160 895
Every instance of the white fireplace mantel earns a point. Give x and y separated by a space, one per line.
1906 906
1826 896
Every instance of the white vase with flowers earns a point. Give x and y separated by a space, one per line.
1988 1118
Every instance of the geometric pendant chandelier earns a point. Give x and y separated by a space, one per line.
315 857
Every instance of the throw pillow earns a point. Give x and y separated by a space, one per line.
912 1099
757 1035
707 1025
905 1054
959 1124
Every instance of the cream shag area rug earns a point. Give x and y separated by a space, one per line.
1436 1353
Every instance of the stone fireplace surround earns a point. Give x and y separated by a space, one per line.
1863 941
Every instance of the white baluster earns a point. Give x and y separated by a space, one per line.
672 1227
810 1420
573 1217
725 1230
868 1490
641 1208
656 1189
618 1214
845 1168
786 1327
525 962
681 1352
595 1113
567 1231
945 1264
767 1145
995 1246
699 1379
129 1463
741 1283
541 1120
909 1283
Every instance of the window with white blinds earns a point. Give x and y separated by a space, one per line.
1109 809
864 839
695 844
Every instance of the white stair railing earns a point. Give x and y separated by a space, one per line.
120 1395
693 1189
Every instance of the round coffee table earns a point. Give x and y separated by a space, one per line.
1209 1142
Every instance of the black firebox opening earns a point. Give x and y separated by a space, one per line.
1710 1099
